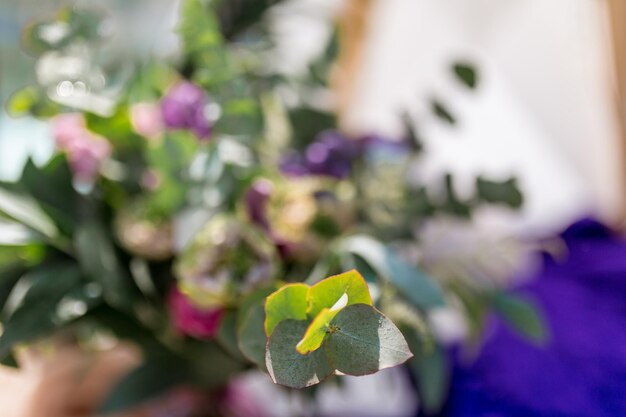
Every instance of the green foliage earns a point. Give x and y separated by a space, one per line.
522 315
27 211
412 282
466 73
235 16
359 341
432 377
37 314
505 192
98 259
289 302
343 322
288 367
33 101
441 111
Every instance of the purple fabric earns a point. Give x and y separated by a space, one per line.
184 107
582 370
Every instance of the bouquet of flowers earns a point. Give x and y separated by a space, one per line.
211 212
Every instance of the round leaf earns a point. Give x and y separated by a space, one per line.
363 341
286 366
289 302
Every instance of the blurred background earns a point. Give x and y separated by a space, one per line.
547 110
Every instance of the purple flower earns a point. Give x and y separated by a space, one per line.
582 369
332 154
192 320
85 150
185 107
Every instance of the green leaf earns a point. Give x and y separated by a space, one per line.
289 302
466 73
227 334
431 374
9 276
521 314
52 187
148 381
506 192
440 110
414 284
236 16
286 366
31 100
326 293
97 258
36 315
363 341
26 212
252 339
316 332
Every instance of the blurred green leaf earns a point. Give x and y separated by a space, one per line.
9 276
466 73
522 315
227 334
251 334
506 192
27 212
416 286
52 187
442 112
37 313
235 16
431 373
98 259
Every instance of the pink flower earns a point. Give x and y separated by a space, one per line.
192 320
85 150
146 119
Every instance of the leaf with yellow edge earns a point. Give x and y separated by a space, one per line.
289 302
326 293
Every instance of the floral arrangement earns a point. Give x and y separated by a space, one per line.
215 216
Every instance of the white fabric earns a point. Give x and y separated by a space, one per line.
543 110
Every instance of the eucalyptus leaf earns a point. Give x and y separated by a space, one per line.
289 302
363 341
416 286
432 377
286 366
327 292
522 315
316 332
251 336
227 334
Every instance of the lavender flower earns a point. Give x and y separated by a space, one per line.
332 154
185 107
